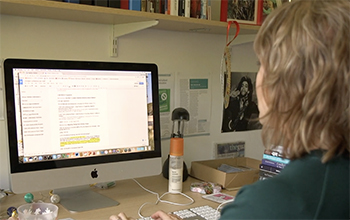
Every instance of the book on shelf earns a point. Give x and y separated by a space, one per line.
173 7
198 9
159 6
204 7
165 6
114 3
223 10
124 4
151 6
209 9
143 5
135 5
101 3
215 10
72 1
104 3
188 8
86 2
195 9
184 8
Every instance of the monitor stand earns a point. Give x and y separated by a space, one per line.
83 198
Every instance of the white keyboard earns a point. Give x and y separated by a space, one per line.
197 213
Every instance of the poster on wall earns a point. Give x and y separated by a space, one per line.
242 112
193 93
229 150
166 103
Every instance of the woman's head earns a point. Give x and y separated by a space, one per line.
303 48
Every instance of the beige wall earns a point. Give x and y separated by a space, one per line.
172 51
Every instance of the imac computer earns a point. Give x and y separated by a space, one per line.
76 123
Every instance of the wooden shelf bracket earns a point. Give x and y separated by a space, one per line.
123 29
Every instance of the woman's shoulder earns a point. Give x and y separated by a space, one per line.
261 199
276 186
281 196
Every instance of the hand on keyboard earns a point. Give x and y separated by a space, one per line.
196 213
160 215
199 213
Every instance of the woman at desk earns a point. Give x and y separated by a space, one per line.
303 98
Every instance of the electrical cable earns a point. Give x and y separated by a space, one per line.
219 207
159 199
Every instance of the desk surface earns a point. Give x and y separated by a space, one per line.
130 196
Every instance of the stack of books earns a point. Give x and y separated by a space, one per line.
123 4
251 12
201 9
272 163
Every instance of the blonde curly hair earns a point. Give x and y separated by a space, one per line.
304 49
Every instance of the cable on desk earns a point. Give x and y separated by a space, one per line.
159 199
219 207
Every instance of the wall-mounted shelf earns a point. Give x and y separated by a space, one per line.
104 15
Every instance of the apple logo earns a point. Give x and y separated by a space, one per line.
94 173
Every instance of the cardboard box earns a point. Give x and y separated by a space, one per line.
207 170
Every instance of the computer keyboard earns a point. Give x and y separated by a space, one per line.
197 213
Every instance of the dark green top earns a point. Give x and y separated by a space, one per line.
305 189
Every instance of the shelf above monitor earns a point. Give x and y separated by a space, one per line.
104 15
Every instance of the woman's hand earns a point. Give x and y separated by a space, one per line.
160 215
120 216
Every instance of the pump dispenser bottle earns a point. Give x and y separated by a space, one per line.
176 164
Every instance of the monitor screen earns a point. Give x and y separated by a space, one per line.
73 123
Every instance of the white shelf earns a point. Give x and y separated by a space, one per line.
104 15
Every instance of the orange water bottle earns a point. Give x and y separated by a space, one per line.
176 162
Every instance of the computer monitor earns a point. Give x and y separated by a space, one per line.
76 123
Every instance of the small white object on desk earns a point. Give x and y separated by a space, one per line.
219 197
